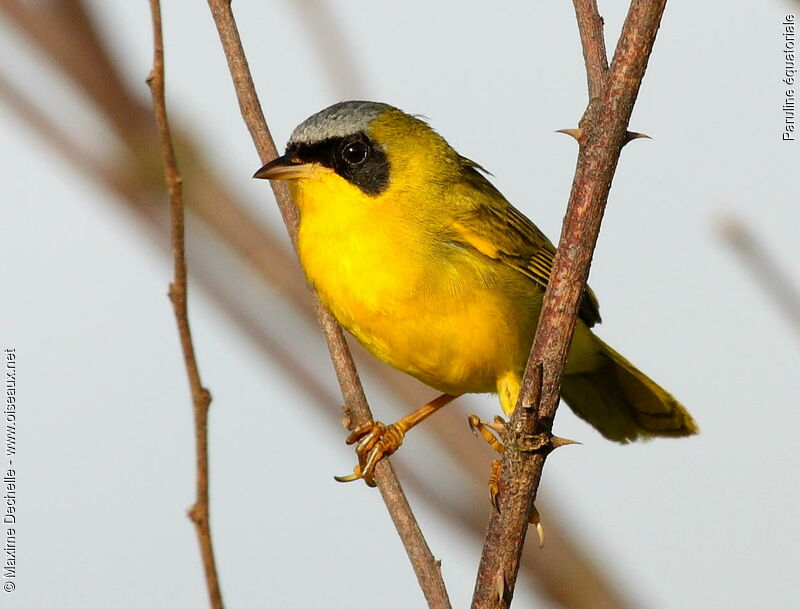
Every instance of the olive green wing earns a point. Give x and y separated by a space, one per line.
496 229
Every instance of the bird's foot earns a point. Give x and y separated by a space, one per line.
374 441
492 432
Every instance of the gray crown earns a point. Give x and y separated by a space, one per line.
339 120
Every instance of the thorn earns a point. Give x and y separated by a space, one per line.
556 442
500 585
537 522
575 133
632 135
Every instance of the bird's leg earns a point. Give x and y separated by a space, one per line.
493 433
376 440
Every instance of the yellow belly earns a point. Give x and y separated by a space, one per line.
442 316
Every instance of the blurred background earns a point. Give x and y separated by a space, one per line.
105 461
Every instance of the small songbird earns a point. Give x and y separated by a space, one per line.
420 258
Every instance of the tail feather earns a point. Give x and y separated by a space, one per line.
622 403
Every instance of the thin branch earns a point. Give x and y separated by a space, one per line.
764 269
201 397
590 26
529 439
357 410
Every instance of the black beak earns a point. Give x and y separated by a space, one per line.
286 167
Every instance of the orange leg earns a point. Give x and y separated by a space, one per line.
376 440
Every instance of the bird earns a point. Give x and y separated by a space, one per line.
419 257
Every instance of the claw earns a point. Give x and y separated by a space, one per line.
498 426
479 427
494 484
368 440
537 521
359 432
474 423
349 478
374 442
357 474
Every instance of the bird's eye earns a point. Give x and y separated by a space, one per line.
355 153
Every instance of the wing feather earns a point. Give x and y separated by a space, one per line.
496 229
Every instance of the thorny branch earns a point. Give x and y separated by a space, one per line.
529 439
426 567
201 397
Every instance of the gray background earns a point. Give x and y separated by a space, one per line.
105 459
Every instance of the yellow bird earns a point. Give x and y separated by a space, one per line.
421 259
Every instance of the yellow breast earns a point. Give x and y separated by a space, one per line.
427 311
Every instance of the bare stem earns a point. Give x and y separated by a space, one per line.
357 410
201 397
590 26
529 439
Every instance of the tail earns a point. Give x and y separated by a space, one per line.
622 403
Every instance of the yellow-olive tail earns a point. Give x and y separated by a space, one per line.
622 403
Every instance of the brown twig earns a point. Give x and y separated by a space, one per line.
590 26
425 565
529 439
201 397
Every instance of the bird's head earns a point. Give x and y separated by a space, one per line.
363 150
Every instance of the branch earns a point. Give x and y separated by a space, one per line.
201 397
590 26
357 411
529 439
